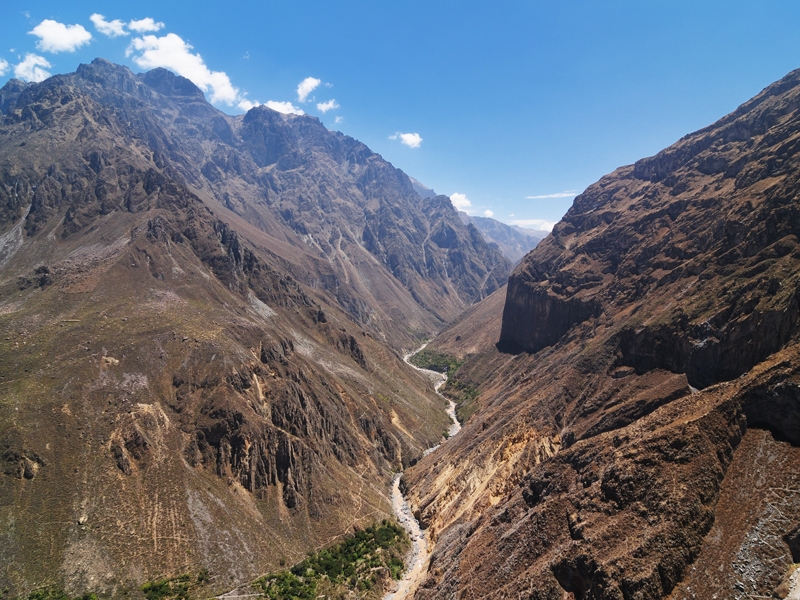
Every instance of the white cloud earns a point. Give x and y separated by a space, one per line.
32 68
488 214
56 37
306 87
286 108
246 104
412 140
171 52
324 107
460 201
338 120
115 28
3 66
145 25
567 194
534 224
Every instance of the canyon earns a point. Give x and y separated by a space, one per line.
205 322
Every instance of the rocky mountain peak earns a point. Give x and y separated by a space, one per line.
10 92
167 83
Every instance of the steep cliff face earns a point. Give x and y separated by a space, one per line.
700 239
201 319
343 199
654 350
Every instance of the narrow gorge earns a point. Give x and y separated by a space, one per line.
418 560
203 321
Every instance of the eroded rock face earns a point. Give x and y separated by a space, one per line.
653 329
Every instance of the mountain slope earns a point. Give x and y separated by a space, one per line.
649 363
202 321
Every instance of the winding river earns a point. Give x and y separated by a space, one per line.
420 553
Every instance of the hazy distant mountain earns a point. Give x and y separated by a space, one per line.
513 241
423 190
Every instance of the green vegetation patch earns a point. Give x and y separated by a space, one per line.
465 395
55 593
357 564
175 588
435 361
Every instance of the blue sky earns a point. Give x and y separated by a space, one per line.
516 106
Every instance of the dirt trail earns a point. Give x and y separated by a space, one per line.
420 554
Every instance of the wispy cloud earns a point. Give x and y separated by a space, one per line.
32 68
460 201
171 52
567 194
488 214
286 108
324 107
308 85
338 120
115 28
412 140
540 224
3 66
145 25
56 37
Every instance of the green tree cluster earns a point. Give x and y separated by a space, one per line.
350 565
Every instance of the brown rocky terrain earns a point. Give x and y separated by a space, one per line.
640 417
202 320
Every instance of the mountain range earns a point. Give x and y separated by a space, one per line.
513 241
203 320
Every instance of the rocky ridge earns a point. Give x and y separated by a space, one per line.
648 359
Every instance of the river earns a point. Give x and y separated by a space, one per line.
420 554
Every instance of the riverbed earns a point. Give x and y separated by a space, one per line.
420 555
